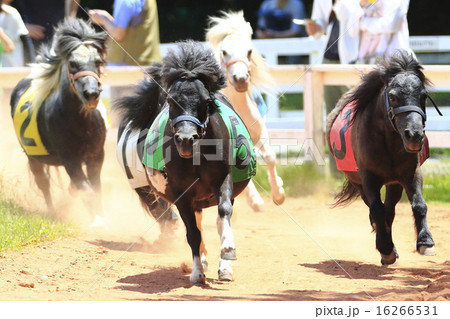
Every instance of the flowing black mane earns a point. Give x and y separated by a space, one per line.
190 61
193 61
373 82
69 34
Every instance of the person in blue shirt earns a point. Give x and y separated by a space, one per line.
276 19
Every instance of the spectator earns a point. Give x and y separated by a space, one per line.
384 29
6 44
12 25
339 20
276 19
41 17
134 28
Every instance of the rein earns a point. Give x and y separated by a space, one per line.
393 111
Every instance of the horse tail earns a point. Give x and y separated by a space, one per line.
141 108
348 193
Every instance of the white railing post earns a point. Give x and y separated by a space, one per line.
313 106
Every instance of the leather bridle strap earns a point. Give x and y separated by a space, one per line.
233 61
73 77
192 119
393 111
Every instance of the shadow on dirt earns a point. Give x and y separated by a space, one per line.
161 280
140 245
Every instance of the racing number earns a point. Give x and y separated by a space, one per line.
26 141
340 154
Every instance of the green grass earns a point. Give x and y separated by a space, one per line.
309 178
19 227
299 180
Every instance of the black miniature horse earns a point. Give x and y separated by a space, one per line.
54 111
194 143
383 125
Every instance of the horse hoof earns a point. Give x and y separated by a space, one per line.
427 251
396 253
228 254
225 275
388 259
280 197
98 222
198 279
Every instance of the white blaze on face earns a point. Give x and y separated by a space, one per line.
84 53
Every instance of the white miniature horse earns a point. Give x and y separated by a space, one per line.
230 36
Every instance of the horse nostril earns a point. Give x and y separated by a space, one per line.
194 137
178 139
90 95
408 134
415 136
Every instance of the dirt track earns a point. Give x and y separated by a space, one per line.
301 251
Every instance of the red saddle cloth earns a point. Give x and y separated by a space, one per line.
340 141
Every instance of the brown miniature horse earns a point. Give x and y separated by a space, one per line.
386 114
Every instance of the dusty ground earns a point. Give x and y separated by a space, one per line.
301 251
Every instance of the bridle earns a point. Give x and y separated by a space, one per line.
192 119
73 77
233 61
393 111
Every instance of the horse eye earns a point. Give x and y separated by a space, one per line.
249 54
224 53
73 64
392 98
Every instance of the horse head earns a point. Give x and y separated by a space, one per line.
73 58
405 98
189 102
190 76
236 56
405 95
83 72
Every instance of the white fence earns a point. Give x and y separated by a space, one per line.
310 79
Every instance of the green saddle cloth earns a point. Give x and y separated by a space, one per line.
244 158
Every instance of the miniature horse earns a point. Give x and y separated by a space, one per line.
230 36
380 143
194 150
54 111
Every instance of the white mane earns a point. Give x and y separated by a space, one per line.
45 79
234 23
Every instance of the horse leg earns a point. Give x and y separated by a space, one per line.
227 247
203 251
425 243
93 169
383 241
79 182
366 201
159 209
393 195
253 198
42 180
276 183
194 238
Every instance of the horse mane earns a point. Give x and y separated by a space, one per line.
373 83
141 108
191 60
69 34
234 23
